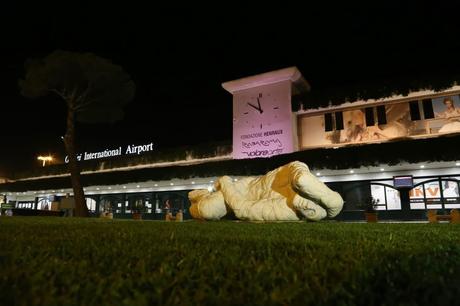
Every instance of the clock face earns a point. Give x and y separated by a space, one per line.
262 121
258 110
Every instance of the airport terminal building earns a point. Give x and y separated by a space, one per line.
401 150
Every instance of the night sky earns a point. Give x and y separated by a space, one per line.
178 56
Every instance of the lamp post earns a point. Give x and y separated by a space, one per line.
45 159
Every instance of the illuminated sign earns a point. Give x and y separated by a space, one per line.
130 150
403 181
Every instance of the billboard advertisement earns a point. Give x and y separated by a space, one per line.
428 195
388 197
447 115
428 117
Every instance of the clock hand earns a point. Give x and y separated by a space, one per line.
255 107
260 108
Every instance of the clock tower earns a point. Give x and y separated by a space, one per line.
263 123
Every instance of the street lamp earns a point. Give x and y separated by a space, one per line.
45 159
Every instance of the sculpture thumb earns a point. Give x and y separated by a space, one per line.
333 203
206 205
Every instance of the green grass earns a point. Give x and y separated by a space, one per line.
60 261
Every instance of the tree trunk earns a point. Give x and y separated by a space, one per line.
81 210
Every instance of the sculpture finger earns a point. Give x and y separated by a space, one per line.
308 186
206 205
309 209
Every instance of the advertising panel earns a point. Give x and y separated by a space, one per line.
428 194
451 194
447 115
388 197
352 127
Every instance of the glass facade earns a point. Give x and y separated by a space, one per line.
152 205
440 193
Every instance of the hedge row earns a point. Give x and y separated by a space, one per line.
390 153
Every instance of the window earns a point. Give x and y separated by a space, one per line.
148 207
91 204
370 120
381 114
29 205
328 124
106 205
110 204
338 121
414 110
44 203
428 108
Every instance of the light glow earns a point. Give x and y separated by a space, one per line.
45 159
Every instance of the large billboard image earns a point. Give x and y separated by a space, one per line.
379 123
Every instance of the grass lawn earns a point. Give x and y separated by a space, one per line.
64 261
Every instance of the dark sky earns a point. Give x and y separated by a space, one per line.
178 57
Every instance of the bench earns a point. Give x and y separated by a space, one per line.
453 217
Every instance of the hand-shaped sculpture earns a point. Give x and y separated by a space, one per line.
287 193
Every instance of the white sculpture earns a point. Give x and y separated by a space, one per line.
287 193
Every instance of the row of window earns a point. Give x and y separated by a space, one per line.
427 107
147 202
373 115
